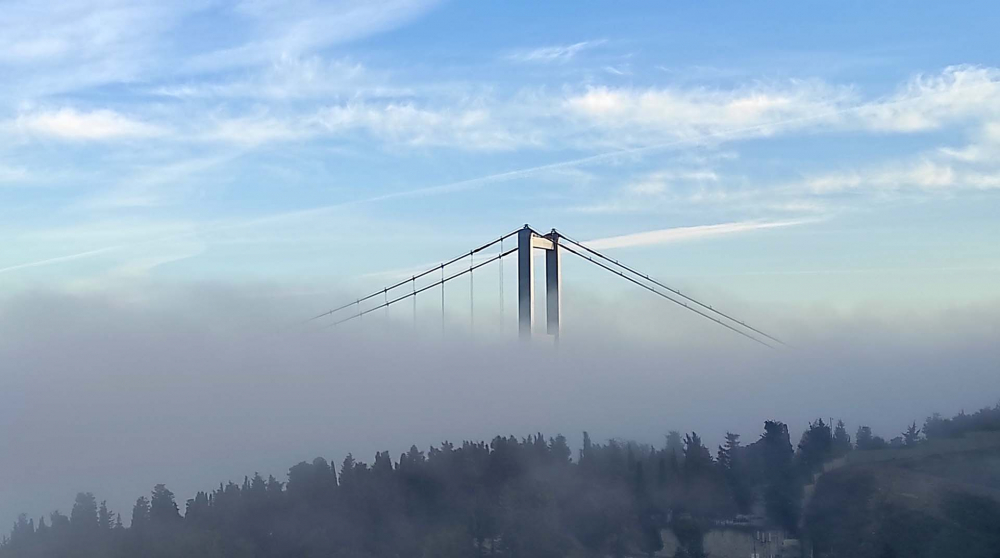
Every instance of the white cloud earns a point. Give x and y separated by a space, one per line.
155 185
276 28
71 124
628 115
639 115
923 174
472 127
72 44
59 259
254 130
288 78
929 102
679 234
557 53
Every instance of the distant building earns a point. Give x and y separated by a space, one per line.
740 542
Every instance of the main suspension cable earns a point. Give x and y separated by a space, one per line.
413 278
427 287
675 291
668 297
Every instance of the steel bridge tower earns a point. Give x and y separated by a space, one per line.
527 241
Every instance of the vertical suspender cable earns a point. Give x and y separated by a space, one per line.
442 300
472 289
501 285
413 284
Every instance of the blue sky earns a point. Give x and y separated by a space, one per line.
829 172
836 154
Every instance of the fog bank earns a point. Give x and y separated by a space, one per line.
112 392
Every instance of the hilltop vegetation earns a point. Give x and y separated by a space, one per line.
884 510
525 497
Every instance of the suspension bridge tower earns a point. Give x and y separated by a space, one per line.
527 241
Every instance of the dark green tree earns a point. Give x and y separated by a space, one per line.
782 492
697 459
140 513
675 446
841 440
730 462
162 507
911 436
815 447
105 519
83 517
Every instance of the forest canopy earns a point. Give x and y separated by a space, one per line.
512 496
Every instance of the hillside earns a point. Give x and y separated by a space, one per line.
926 504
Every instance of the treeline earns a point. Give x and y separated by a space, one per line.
512 497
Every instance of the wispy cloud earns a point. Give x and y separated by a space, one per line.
155 185
302 27
634 115
470 127
923 175
59 259
928 102
72 124
628 115
556 53
287 78
680 234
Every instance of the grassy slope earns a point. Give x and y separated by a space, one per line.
939 506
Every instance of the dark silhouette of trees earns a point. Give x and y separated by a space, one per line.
162 507
911 436
815 447
511 497
140 513
782 490
841 440
84 517
983 420
105 520
731 462
865 440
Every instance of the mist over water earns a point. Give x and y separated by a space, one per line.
113 392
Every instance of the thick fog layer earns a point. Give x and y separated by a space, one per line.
113 392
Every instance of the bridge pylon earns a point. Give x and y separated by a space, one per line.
527 241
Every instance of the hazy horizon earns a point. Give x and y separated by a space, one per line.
193 385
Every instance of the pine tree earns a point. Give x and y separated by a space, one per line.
911 436
675 445
104 518
162 507
782 491
864 440
83 517
697 458
730 463
841 440
140 513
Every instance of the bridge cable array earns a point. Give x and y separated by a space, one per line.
412 279
415 292
581 250
668 297
661 285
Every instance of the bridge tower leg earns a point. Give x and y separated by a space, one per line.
527 241
553 284
525 283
